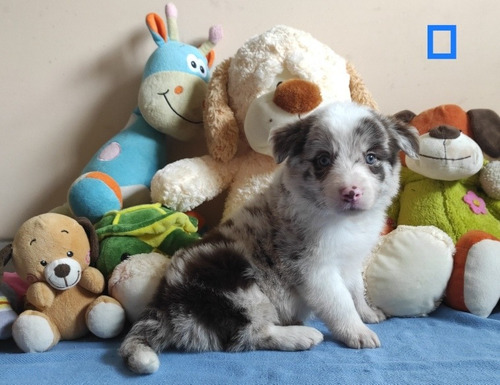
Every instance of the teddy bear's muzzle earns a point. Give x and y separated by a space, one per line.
63 274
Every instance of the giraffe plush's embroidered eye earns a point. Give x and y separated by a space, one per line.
196 65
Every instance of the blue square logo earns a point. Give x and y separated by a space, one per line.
431 53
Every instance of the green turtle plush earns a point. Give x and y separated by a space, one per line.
142 229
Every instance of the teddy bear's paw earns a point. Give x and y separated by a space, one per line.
105 317
34 333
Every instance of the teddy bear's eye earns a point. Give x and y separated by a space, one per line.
43 262
69 254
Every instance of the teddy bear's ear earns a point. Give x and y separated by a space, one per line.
92 236
221 128
485 125
6 254
359 92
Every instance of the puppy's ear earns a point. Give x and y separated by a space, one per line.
289 140
406 138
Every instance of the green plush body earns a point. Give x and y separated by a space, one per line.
142 229
423 201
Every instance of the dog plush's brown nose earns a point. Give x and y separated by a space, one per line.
297 96
444 132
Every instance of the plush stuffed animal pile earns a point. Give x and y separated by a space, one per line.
52 253
7 298
273 79
248 96
450 190
171 94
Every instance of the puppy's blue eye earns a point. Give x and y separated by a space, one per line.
370 158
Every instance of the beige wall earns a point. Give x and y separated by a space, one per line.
70 71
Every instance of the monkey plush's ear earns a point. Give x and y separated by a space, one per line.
92 236
6 255
289 140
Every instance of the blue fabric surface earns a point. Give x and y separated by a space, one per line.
448 347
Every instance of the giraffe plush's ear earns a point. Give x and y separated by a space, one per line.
157 28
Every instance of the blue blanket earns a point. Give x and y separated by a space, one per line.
447 347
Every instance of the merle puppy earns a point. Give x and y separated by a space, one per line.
296 248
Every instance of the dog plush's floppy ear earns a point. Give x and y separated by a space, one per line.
289 140
406 137
221 128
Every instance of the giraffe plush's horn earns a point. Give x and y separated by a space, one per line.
215 35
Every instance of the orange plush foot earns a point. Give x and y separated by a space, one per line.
474 285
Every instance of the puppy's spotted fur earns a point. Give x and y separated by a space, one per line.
297 247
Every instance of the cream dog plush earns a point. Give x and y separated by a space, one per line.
274 78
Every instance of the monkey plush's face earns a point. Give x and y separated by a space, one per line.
52 248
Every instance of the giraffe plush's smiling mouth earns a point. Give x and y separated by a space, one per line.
164 94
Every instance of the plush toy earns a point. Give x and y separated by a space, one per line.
52 252
134 281
274 78
451 188
142 229
171 94
408 270
8 296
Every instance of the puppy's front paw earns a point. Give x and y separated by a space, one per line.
362 338
291 338
372 315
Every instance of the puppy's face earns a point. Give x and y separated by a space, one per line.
345 156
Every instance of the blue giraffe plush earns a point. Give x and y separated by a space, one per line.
174 85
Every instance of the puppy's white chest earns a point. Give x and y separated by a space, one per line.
345 243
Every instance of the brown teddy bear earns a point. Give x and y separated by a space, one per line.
52 253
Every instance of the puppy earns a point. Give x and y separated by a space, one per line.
295 248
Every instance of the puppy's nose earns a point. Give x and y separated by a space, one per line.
351 194
297 96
